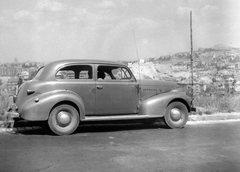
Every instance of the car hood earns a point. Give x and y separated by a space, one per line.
150 88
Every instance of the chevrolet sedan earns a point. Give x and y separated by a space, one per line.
67 93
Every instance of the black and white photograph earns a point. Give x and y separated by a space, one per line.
119 85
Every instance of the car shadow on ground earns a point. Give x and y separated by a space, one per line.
31 128
96 128
40 128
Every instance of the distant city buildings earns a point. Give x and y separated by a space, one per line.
10 71
23 70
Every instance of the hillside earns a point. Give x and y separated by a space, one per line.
213 68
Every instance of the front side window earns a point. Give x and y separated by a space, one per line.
121 74
113 73
75 72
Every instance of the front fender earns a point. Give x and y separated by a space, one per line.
157 105
39 107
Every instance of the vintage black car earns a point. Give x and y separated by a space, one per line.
68 92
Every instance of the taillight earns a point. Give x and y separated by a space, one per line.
29 92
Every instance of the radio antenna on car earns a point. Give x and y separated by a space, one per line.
137 59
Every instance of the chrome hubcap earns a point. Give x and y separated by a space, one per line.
63 118
175 114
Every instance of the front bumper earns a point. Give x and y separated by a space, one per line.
193 109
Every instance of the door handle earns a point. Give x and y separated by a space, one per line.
100 87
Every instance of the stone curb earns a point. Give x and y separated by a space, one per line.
215 117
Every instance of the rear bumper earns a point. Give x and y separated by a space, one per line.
13 114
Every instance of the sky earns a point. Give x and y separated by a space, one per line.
119 30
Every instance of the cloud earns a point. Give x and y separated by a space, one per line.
161 7
74 19
144 23
210 13
138 24
48 26
184 11
12 19
24 15
107 4
209 8
47 5
6 18
124 3
92 18
119 41
3 21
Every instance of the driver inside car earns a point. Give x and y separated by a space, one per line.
101 75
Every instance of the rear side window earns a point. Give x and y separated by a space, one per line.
75 72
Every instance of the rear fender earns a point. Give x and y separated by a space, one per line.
157 105
39 107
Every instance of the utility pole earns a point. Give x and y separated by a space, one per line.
191 55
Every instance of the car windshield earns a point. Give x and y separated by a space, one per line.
39 73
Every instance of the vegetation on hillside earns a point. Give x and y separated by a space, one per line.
216 103
5 100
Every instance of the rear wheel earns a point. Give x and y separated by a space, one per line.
63 120
176 115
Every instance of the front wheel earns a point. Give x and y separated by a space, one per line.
176 115
63 120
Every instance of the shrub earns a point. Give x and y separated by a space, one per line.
216 103
235 105
4 99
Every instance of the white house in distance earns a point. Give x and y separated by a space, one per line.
141 61
130 65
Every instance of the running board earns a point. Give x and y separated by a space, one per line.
119 117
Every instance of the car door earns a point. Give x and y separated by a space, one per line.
116 91
79 79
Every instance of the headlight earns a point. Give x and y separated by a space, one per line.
177 89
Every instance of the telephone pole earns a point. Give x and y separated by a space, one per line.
191 55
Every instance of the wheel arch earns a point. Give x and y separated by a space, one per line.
40 106
68 103
182 101
159 103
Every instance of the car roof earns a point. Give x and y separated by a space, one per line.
50 68
84 61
